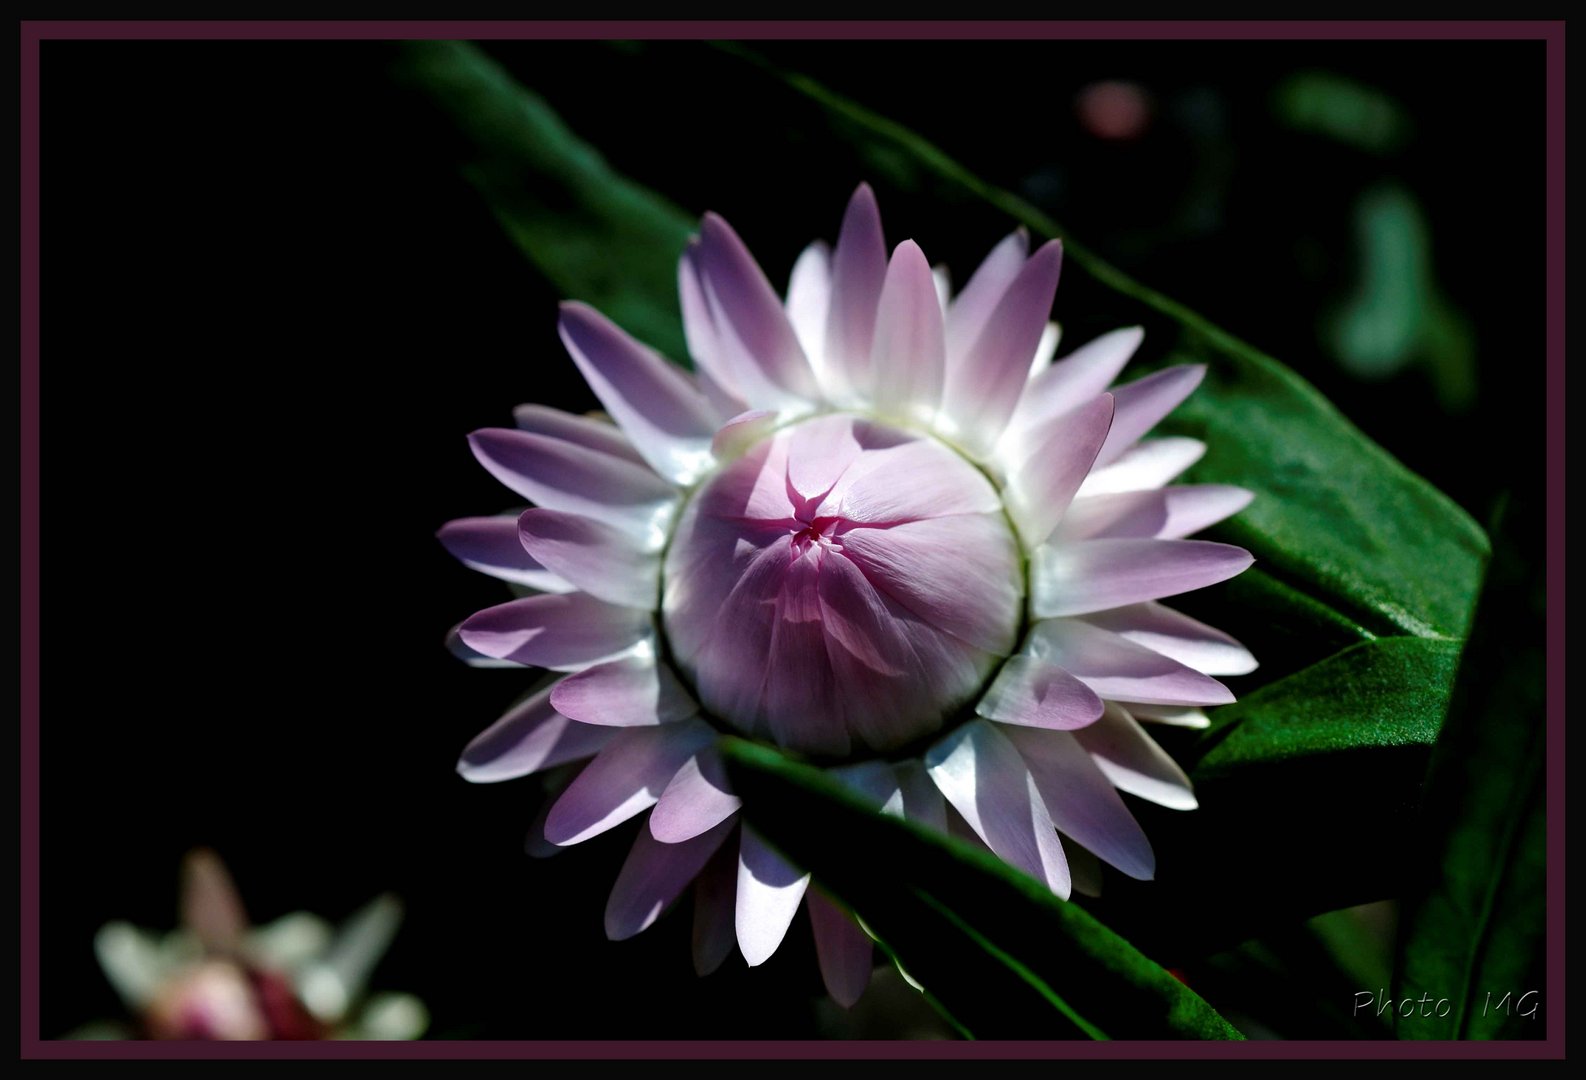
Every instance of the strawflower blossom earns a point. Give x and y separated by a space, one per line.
879 526
216 977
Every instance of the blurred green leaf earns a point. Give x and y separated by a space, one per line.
1473 930
1343 109
999 953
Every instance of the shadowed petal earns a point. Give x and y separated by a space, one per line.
1082 801
1186 716
1119 669
1163 514
655 402
922 801
982 775
528 737
742 432
563 632
1093 575
1173 634
873 781
653 876
586 431
491 546
715 898
597 558
907 358
626 778
1085 867
969 311
844 950
1040 491
1034 693
574 479
696 800
1142 403
859 266
1145 465
1071 382
1134 763
632 691
712 367
769 891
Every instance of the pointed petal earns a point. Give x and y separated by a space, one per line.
473 657
859 266
1142 403
491 546
873 781
632 691
211 908
1093 575
809 294
528 737
653 876
360 944
712 366
1082 801
602 561
1173 634
655 402
1034 693
972 308
697 799
982 775
984 389
715 898
844 950
132 960
1185 716
1135 763
1045 350
944 287
563 632
1118 669
626 778
1072 381
752 329
769 891
575 479
1163 514
1145 465
907 358
585 431
1040 492
922 801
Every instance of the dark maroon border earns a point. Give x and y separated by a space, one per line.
32 33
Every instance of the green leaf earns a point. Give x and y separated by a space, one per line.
998 952
1473 928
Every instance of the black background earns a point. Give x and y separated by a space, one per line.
272 312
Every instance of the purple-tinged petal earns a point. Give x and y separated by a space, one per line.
1044 351
1134 763
602 561
1093 575
907 482
1082 801
1071 382
715 899
712 366
491 546
563 632
751 326
809 294
211 907
653 876
859 266
696 800
1184 716
1142 403
922 801
586 431
1176 635
1035 693
984 388
1040 491
1163 514
843 949
575 479
626 778
631 691
969 312
769 891
1120 670
656 404
473 657
944 288
534 843
981 773
801 699
742 432
530 737
907 358
1144 465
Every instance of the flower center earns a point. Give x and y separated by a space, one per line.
843 587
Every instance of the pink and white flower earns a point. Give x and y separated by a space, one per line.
879 526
